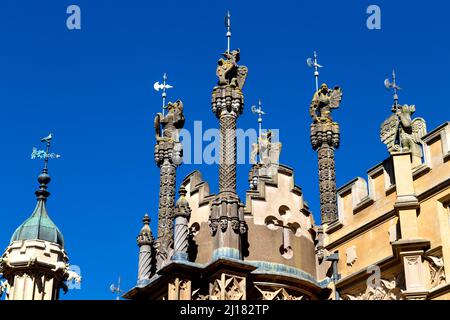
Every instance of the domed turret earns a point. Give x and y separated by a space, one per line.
39 226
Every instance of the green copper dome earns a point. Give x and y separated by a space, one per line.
39 226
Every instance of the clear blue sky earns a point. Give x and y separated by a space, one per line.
93 89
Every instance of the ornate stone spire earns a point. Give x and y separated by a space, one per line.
227 104
145 242
168 156
325 138
181 234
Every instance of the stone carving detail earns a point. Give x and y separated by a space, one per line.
168 155
269 154
181 234
167 127
288 226
386 290
229 72
179 289
198 295
228 287
436 269
401 133
325 138
145 242
278 294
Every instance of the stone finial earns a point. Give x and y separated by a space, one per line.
182 207
145 237
145 242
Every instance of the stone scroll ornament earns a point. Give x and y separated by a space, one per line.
168 156
401 133
325 138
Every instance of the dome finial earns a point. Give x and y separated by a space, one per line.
44 178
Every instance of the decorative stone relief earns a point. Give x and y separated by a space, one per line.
436 270
179 289
385 290
288 225
278 294
228 287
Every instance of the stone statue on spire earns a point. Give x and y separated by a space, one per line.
401 133
168 156
325 138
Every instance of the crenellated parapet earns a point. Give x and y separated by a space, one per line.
404 206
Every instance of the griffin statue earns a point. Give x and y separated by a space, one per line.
401 133
229 72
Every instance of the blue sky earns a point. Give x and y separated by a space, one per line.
92 88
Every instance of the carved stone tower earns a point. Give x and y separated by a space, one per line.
35 263
168 156
325 137
227 212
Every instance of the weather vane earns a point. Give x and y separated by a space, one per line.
45 154
260 113
116 290
313 63
164 86
393 85
228 26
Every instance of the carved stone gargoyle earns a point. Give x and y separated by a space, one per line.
229 72
400 133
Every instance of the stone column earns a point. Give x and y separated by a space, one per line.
325 139
410 248
145 243
181 233
168 156
227 212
